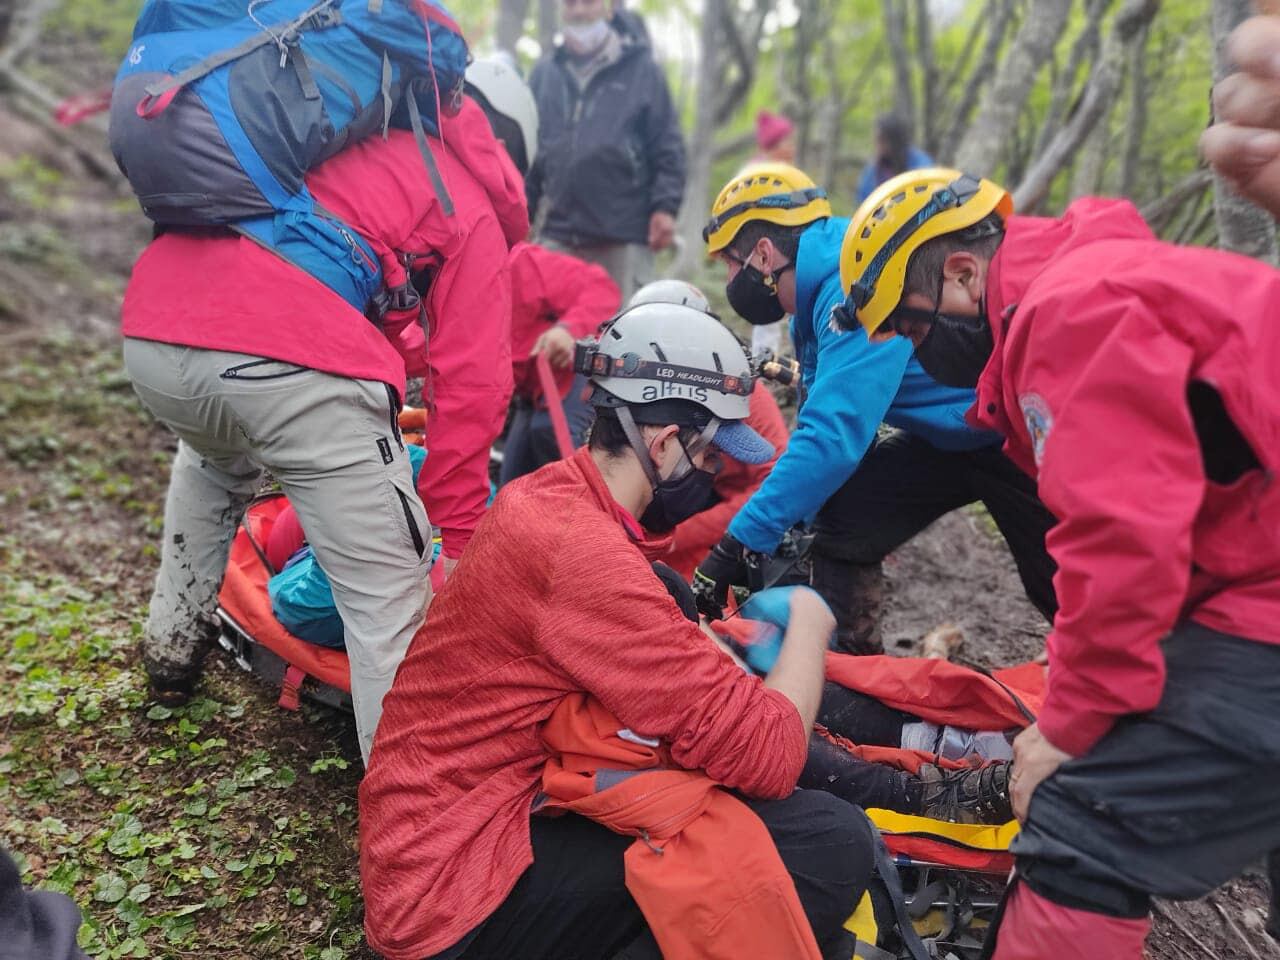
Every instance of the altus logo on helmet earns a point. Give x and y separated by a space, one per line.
669 390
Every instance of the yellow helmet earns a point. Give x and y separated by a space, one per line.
900 216
775 192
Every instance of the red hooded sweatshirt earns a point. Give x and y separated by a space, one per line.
553 288
224 292
553 598
1100 331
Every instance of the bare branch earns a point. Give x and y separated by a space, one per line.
987 137
24 29
1083 50
1099 95
927 119
895 33
1160 212
998 25
1136 127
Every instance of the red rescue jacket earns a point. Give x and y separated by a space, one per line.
223 292
552 598
704 871
1100 331
550 288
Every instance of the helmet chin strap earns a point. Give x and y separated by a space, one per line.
632 432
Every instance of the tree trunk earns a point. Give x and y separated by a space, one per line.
1090 117
926 128
697 192
1137 124
1242 227
895 33
999 16
983 144
1083 51
510 26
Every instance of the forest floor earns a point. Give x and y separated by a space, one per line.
228 826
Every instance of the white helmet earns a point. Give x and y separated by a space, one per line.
499 85
669 363
671 291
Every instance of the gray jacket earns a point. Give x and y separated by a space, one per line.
609 155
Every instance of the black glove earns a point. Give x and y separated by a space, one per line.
724 566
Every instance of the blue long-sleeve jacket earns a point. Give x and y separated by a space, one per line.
873 176
852 385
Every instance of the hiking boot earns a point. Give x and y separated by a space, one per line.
971 795
171 693
855 594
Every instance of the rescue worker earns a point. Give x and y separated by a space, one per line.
556 299
554 604
735 481
772 227
1136 380
256 365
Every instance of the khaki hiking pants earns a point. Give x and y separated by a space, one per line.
333 445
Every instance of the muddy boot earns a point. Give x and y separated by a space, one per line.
855 593
974 795
174 666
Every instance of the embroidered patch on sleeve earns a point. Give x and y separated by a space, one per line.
1039 422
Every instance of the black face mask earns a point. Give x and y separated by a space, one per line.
957 348
753 299
675 500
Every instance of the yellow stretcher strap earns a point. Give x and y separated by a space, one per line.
978 836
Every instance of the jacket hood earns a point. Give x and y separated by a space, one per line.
1031 245
469 136
817 258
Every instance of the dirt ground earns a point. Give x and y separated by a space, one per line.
94 785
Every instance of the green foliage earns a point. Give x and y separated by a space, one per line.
176 830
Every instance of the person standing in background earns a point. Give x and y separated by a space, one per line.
610 169
894 154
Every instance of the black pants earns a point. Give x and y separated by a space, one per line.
531 440
1170 803
904 484
573 904
863 720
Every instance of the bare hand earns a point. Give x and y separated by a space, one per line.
1244 145
1034 758
557 344
450 565
808 609
662 230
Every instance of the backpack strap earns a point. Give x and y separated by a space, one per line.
887 872
170 85
433 171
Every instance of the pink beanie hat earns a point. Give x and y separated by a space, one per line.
771 129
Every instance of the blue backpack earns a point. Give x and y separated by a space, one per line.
222 106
